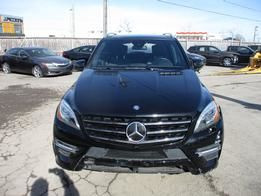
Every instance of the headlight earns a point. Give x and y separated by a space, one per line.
208 117
197 57
66 115
49 64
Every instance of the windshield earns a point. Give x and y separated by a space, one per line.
40 52
138 54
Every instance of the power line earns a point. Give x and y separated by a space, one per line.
208 11
242 6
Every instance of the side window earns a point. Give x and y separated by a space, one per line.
76 49
254 47
192 49
229 48
13 51
232 48
91 49
202 49
22 53
86 50
243 50
213 50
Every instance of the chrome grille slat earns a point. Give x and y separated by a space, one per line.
166 131
104 122
159 129
167 123
105 131
174 139
148 124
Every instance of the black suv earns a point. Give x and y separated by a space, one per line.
215 55
256 47
244 53
138 107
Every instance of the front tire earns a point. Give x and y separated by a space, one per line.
227 62
236 59
37 71
6 68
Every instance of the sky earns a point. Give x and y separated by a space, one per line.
53 17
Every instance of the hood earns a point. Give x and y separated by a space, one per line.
117 92
51 59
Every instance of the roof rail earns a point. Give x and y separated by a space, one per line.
168 34
111 34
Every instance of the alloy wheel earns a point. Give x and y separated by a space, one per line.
37 72
6 68
227 62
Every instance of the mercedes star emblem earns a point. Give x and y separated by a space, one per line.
136 107
136 132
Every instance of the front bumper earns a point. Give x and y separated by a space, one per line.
53 71
198 154
78 65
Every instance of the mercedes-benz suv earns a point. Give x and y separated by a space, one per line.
138 107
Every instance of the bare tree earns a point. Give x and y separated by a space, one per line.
240 37
125 27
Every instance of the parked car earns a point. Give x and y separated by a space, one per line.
215 55
37 61
80 53
244 53
255 47
197 60
137 107
78 65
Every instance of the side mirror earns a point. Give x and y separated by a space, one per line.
5 50
198 64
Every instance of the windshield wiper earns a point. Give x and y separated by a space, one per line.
101 68
148 67
116 67
157 68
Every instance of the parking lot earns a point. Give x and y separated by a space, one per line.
27 165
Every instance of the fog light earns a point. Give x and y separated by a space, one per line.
63 152
89 161
209 152
65 148
218 139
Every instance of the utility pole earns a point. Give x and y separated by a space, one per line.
255 32
232 37
73 24
105 17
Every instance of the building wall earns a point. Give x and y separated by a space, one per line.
11 26
192 35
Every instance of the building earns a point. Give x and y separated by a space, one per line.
192 36
11 25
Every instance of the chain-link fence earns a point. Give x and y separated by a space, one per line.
61 44
56 44
221 44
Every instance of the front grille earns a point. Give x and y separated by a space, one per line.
63 65
169 129
120 154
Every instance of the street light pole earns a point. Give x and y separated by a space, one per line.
73 21
73 25
105 17
255 31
